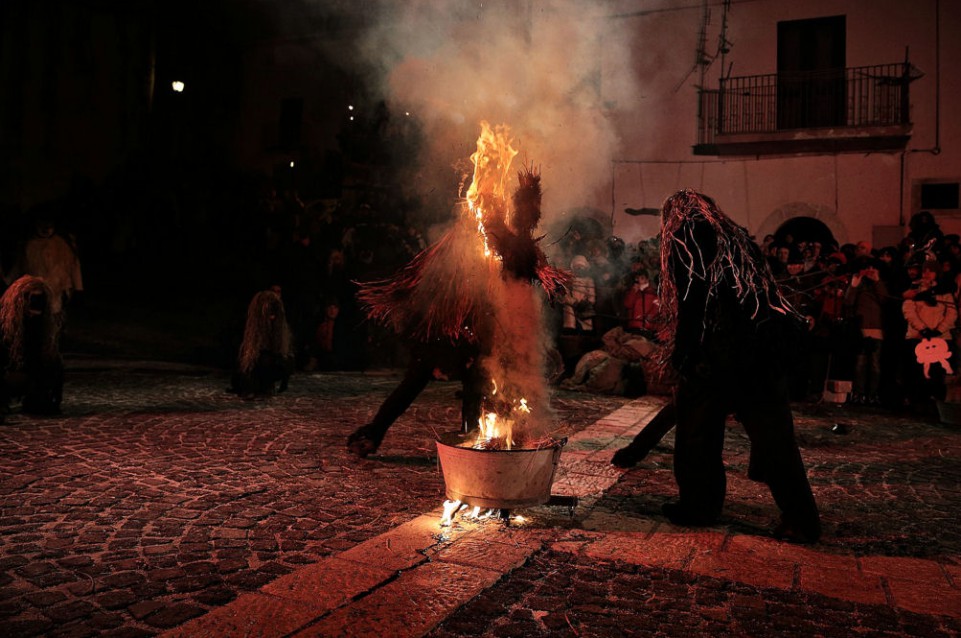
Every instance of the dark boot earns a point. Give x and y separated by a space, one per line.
793 532
365 440
629 456
679 514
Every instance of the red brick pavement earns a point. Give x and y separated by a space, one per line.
621 572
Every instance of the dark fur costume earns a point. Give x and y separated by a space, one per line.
29 348
732 339
266 357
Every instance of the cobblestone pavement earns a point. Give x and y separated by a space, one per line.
159 502
889 563
157 496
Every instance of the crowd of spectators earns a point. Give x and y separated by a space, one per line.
884 319
882 322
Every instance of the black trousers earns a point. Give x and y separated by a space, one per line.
761 404
455 360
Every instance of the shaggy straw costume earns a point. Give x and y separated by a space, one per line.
732 333
442 302
30 361
265 356
441 293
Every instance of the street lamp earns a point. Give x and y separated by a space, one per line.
177 86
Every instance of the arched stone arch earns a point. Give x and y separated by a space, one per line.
803 209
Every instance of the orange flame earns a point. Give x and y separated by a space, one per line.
487 195
494 430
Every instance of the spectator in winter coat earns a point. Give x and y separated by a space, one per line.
642 306
864 298
931 313
579 302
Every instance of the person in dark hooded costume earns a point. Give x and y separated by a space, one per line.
732 336
266 359
31 367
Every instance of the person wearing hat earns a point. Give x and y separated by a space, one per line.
579 302
864 299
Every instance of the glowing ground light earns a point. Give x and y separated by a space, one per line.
452 508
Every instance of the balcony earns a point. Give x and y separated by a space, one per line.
845 110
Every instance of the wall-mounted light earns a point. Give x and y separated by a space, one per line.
177 86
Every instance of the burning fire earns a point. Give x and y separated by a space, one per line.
497 432
516 409
487 195
488 201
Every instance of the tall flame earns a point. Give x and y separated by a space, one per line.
513 305
487 195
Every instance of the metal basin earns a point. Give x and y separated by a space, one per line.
504 479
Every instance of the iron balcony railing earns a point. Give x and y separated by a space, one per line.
855 97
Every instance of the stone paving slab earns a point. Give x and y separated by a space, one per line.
157 498
888 564
256 615
329 584
842 584
925 597
411 605
346 548
402 547
434 569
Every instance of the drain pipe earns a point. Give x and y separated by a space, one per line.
936 149
901 194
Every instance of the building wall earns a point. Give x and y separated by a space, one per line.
858 195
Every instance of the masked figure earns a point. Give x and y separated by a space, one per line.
441 302
266 356
32 369
730 333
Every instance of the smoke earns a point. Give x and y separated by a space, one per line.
517 361
550 69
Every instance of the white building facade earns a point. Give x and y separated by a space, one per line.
839 111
